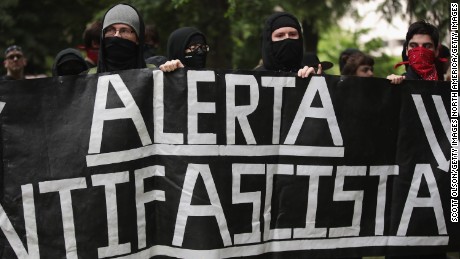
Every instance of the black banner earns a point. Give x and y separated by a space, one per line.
219 164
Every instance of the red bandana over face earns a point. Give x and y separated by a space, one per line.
421 60
93 54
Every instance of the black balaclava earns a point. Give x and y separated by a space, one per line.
69 62
117 53
120 53
285 55
181 39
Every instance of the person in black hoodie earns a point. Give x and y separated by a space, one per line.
122 42
421 50
69 62
282 46
188 45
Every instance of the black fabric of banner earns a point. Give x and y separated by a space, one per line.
46 129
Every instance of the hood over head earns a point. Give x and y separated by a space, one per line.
126 14
273 22
69 62
180 39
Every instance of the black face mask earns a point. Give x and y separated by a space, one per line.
288 54
196 59
120 54
70 68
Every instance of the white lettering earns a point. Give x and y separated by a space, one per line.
443 163
143 197
453 16
314 172
159 135
434 201
2 105
316 85
101 114
30 223
342 195
453 210
383 172
195 107
64 187
272 169
186 209
249 197
240 112
109 181
278 83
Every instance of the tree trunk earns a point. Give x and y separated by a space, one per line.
218 34
310 36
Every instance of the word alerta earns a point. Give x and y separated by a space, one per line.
233 113
195 143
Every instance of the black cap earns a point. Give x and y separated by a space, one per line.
12 48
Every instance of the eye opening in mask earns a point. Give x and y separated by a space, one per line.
123 32
197 47
71 67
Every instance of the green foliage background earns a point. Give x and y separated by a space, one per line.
232 27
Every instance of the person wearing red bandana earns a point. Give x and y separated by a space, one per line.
421 44
92 40
421 50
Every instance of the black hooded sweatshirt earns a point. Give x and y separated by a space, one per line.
64 57
270 62
140 62
178 41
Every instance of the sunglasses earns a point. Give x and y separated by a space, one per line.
11 48
15 57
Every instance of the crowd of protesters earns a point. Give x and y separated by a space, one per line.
121 41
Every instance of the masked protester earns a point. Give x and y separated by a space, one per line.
421 63
282 46
188 45
69 62
122 42
92 42
421 45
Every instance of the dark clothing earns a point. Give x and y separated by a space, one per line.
156 60
108 63
149 52
69 62
89 64
411 75
432 256
272 61
179 40
6 78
